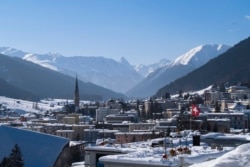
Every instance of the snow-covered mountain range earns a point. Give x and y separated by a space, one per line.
120 76
177 68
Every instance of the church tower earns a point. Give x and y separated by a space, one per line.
77 97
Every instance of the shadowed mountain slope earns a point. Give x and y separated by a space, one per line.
43 82
232 66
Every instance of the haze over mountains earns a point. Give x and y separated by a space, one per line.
101 71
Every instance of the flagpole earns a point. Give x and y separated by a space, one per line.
190 119
190 122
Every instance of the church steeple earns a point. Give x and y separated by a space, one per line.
77 97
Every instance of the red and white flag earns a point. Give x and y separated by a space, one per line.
195 111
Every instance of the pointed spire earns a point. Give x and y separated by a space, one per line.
77 97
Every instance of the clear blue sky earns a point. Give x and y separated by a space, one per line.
142 31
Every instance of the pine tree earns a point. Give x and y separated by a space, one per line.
167 95
15 158
180 94
4 162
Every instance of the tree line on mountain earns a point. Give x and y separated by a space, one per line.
230 67
9 90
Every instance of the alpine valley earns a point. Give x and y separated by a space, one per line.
119 76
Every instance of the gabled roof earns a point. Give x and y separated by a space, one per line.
37 149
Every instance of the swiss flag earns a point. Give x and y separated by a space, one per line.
195 110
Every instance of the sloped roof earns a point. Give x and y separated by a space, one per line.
38 149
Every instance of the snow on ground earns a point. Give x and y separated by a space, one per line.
238 157
23 106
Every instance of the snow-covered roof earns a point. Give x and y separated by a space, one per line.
234 137
212 135
224 136
110 148
78 164
219 120
38 149
65 131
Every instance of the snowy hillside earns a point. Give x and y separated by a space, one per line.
46 61
199 55
191 60
12 52
179 67
19 107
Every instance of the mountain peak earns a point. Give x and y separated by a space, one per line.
124 61
11 52
207 50
185 58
